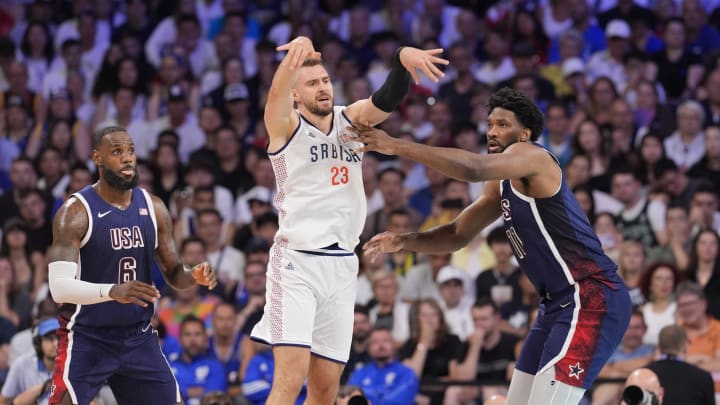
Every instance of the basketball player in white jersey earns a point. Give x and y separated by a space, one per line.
321 203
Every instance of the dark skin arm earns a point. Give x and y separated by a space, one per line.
520 160
69 227
445 238
173 269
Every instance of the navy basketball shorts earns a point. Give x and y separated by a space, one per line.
128 359
576 331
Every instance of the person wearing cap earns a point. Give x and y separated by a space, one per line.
237 104
29 379
181 119
453 301
609 62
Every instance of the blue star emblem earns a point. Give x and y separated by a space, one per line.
576 370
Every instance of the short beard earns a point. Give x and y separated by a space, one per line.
317 110
117 182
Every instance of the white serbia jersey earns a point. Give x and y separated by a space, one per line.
320 195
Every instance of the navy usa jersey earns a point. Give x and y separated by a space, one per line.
553 240
119 246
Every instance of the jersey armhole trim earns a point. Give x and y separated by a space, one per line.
151 209
277 152
85 204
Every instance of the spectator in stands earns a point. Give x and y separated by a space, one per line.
682 382
704 267
703 208
227 261
501 282
660 309
631 354
30 377
624 132
421 281
490 355
641 219
703 330
499 66
387 310
33 211
390 183
224 342
53 172
675 250
385 380
708 167
362 327
701 37
28 266
458 91
17 128
609 62
557 137
611 239
230 156
675 183
15 303
21 342
454 303
196 372
686 146
650 151
631 266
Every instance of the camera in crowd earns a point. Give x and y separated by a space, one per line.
634 395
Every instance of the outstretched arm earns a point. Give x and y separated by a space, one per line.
405 63
519 160
445 238
69 228
176 273
280 118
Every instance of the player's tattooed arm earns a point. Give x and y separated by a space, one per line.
173 269
69 227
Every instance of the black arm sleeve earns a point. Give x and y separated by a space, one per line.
395 88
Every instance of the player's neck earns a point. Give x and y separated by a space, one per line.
113 196
322 122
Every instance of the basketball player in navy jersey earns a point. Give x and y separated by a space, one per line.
105 238
312 274
585 307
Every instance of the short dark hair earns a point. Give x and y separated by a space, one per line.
209 211
671 339
190 319
189 240
525 110
100 134
664 166
497 235
309 62
390 169
483 302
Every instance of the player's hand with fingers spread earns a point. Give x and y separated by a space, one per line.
386 242
204 274
374 139
298 50
424 60
134 292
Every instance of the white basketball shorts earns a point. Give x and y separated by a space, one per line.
310 302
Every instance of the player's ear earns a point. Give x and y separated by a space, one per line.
525 134
96 158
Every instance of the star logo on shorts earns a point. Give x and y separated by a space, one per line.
576 370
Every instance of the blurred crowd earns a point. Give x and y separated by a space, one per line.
631 95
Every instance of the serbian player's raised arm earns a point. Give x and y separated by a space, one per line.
70 225
176 273
280 117
405 63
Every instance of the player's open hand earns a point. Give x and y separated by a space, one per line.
386 242
298 50
134 292
204 274
374 139
424 60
